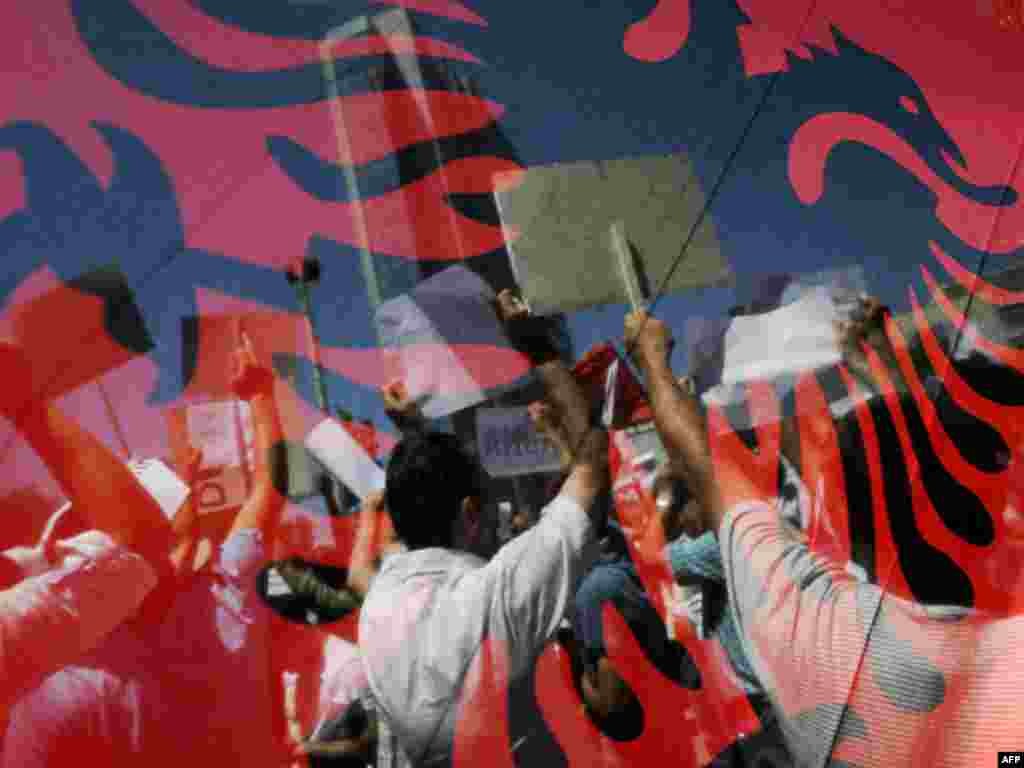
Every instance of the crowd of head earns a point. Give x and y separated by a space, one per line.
121 641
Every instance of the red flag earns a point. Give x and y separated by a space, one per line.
623 393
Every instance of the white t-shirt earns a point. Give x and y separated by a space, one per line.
429 611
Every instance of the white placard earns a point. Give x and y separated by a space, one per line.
162 483
771 346
345 458
453 307
509 445
214 428
796 337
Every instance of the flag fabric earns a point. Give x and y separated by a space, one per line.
609 381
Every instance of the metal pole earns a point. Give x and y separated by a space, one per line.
319 387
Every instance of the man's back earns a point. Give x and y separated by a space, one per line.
430 610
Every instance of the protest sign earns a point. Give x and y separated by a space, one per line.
345 457
452 308
223 431
510 446
786 330
566 225
163 484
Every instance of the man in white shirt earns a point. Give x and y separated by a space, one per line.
431 608
857 675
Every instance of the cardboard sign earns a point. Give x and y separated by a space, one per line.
510 446
566 225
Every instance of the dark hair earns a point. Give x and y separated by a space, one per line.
429 475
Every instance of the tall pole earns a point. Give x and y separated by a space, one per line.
319 387
302 280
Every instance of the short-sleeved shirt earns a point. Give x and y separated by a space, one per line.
861 676
429 611
701 558
342 681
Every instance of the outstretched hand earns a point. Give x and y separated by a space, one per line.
252 379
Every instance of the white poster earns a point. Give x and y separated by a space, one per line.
454 307
163 484
509 445
218 429
223 431
345 458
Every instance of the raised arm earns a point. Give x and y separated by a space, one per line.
677 414
104 492
186 519
254 383
589 474
544 421
371 540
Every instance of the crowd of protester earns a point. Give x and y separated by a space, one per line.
122 644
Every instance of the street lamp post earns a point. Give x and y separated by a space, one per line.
302 281
310 275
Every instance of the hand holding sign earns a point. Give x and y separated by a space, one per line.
648 339
403 411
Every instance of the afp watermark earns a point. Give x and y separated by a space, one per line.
1011 758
